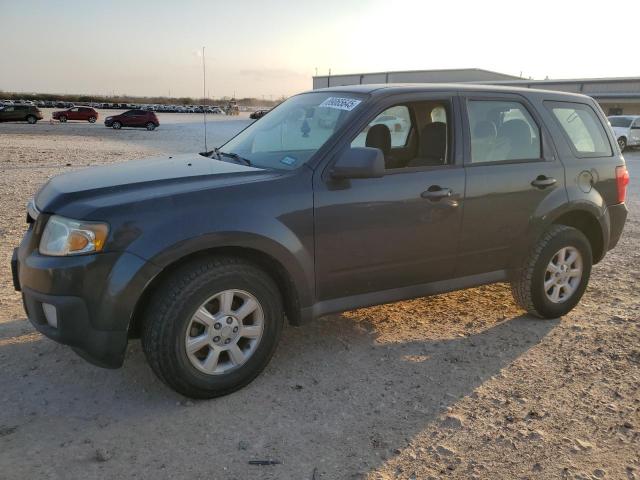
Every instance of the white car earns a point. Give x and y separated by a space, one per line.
626 129
395 124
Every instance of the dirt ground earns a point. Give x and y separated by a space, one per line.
462 385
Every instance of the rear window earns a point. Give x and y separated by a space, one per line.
583 128
624 122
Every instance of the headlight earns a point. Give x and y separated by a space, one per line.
64 236
108 118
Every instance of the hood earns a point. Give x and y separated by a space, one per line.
144 178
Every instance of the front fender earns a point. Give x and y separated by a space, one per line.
273 217
299 265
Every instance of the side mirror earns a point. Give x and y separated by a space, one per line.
359 162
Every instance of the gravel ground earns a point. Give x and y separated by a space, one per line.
462 385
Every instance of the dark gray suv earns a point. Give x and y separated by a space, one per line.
338 199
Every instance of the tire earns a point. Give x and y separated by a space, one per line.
169 323
62 119
116 125
92 119
150 126
31 119
622 143
528 287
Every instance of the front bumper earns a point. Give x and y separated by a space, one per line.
73 327
93 297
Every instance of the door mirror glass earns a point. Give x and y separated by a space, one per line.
359 162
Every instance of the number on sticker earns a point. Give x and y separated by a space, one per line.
340 103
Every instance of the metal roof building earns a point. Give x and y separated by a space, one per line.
617 96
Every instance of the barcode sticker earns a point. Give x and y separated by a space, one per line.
340 103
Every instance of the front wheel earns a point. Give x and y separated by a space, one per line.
92 119
151 126
116 125
212 327
32 119
556 273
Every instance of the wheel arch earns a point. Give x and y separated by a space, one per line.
268 263
587 223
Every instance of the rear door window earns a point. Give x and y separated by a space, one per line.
583 128
502 131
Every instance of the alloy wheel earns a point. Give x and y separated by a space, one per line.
563 275
224 332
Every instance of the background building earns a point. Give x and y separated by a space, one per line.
617 96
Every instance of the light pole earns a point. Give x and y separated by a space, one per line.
204 100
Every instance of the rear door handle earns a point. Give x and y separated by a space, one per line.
436 192
543 181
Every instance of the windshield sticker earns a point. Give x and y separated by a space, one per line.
289 161
340 103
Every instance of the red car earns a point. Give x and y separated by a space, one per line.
133 118
87 114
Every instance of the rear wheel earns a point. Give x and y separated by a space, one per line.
622 143
62 118
116 125
92 119
32 119
151 126
556 273
212 327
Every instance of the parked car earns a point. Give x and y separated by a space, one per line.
258 114
133 118
86 114
204 256
626 129
395 124
20 113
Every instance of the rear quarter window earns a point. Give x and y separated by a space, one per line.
583 128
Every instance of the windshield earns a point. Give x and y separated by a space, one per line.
293 131
624 122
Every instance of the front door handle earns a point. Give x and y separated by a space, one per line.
543 181
436 192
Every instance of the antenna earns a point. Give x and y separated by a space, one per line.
204 100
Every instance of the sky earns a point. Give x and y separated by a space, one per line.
272 48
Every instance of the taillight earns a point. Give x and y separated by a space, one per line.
622 180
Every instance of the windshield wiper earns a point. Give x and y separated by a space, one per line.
218 154
235 156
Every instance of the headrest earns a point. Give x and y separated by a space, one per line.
517 130
379 136
485 129
433 140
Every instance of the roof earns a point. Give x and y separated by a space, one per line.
391 88
519 80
